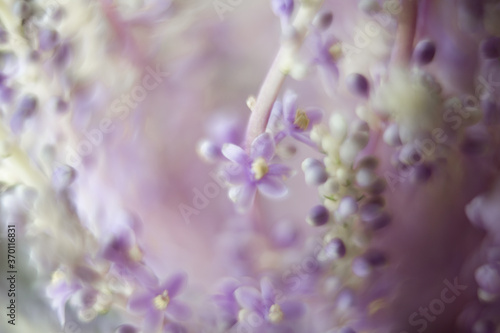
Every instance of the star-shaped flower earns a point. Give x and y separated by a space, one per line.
159 302
253 171
293 121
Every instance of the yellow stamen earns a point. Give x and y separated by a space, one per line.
58 276
135 253
251 101
275 314
161 301
336 51
301 120
260 168
376 305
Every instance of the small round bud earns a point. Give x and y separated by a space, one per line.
391 135
358 84
368 162
490 48
347 206
424 52
310 163
362 266
334 249
316 175
365 177
323 20
208 151
421 173
318 216
338 126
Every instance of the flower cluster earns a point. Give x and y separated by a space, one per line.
390 108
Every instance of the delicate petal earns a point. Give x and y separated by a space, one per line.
289 106
249 298
235 154
144 275
314 115
272 187
140 302
292 310
178 310
174 284
263 146
280 170
234 174
276 116
243 196
329 76
268 292
280 136
60 294
153 321
174 328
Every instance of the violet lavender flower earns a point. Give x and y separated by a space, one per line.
126 258
254 171
289 120
264 310
159 303
401 171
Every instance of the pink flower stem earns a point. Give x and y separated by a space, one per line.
276 76
403 46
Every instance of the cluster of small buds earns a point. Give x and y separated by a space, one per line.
350 189
400 107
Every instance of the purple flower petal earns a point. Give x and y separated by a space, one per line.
243 195
144 275
153 321
276 116
272 187
174 328
234 174
140 302
279 170
329 75
235 154
268 293
174 284
292 309
60 294
289 106
178 310
249 298
263 146
314 115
